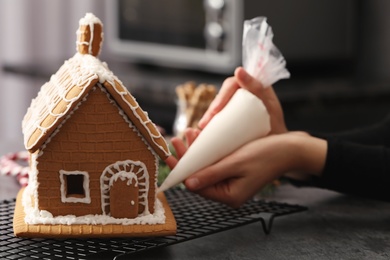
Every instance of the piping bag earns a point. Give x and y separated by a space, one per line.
244 118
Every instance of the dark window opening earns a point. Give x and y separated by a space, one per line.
75 185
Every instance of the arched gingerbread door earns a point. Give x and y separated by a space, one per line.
124 189
124 195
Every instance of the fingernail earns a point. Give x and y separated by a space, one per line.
243 75
192 183
201 123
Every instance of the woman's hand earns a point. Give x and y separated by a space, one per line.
190 134
239 176
242 79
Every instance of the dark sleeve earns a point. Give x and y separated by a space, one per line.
357 162
357 169
376 134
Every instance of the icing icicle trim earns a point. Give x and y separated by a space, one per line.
35 216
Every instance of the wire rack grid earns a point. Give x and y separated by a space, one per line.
195 216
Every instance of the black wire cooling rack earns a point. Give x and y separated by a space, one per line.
195 216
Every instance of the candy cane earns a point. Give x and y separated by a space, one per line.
10 166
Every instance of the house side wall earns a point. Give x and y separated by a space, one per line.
94 136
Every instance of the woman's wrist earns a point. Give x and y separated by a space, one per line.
309 155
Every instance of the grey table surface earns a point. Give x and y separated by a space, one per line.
335 226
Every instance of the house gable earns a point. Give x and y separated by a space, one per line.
68 87
93 136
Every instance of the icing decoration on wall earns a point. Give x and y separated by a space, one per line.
124 169
68 197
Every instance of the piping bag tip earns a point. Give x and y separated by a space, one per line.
160 190
163 187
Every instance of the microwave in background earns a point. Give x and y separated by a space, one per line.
207 34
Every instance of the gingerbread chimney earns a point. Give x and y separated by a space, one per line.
89 35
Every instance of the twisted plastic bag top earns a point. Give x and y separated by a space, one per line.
261 58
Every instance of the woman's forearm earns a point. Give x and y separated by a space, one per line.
308 153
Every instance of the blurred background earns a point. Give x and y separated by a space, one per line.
338 53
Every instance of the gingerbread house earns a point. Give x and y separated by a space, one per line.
94 151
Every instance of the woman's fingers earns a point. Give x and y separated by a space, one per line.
179 146
232 192
212 174
229 87
190 135
227 90
171 161
231 188
249 83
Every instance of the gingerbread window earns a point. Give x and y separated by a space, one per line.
74 187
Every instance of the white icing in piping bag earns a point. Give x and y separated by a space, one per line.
245 117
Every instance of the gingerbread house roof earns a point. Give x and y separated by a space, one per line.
70 85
